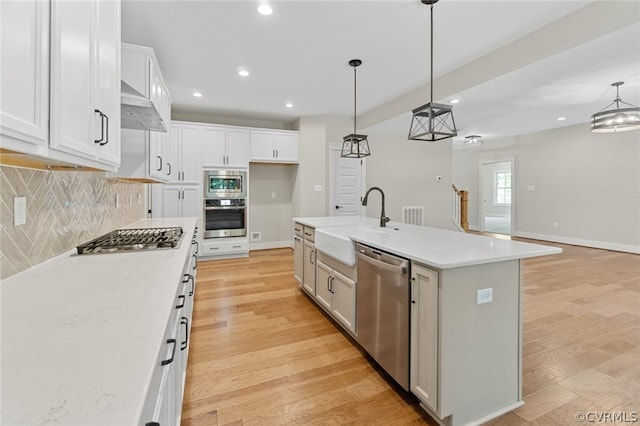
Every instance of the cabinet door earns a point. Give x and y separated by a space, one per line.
213 147
344 300
238 148
157 155
324 296
191 201
24 72
172 201
262 146
424 335
286 147
309 273
74 123
191 164
106 78
298 259
173 154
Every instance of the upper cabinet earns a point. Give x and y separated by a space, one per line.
24 74
225 147
274 146
75 46
146 103
185 153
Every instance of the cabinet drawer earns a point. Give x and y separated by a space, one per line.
210 249
309 234
298 229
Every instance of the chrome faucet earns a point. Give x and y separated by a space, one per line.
383 218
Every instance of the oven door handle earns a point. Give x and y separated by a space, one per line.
225 208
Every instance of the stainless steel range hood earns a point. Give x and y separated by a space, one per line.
138 112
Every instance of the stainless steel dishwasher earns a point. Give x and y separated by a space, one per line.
382 296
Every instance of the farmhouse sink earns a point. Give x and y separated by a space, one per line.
335 241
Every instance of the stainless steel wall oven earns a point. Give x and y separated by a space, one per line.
224 203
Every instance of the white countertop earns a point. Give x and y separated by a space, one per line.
438 248
81 334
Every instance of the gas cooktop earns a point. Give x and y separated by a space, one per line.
133 240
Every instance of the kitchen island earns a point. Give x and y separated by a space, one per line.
465 362
83 335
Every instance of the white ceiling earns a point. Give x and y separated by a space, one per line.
299 54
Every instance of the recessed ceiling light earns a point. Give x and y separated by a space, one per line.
562 118
243 73
454 101
197 94
289 105
265 9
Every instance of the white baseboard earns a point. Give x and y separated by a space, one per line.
580 242
270 245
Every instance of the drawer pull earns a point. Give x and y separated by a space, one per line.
173 352
182 304
185 321
237 246
193 284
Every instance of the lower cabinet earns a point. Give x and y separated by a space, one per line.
309 268
163 403
298 259
424 335
336 293
225 246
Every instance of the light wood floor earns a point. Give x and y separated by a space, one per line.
263 354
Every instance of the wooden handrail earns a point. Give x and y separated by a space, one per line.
463 195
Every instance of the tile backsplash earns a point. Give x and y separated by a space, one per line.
64 209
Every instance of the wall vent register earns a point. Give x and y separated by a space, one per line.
133 240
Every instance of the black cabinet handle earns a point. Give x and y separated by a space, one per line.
169 172
107 139
173 352
100 141
159 158
197 247
182 304
152 424
184 321
193 283
195 261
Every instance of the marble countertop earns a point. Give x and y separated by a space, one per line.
438 248
81 334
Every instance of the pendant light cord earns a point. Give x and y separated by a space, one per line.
354 99
431 83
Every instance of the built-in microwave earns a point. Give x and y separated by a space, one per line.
225 184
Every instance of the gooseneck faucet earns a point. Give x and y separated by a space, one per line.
383 218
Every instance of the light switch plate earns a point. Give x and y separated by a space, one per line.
484 295
317 188
19 211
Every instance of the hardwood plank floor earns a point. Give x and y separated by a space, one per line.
263 354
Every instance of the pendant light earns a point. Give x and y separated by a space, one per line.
432 122
616 119
355 145
472 139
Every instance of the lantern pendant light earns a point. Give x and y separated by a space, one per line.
616 119
432 122
355 145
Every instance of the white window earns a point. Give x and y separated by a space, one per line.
502 195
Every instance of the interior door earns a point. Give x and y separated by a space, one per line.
347 183
497 202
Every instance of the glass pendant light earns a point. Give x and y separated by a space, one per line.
355 145
432 122
616 119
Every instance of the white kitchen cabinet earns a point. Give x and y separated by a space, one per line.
24 74
309 268
336 293
85 80
180 201
158 155
298 253
424 335
221 247
274 147
225 147
184 158
143 157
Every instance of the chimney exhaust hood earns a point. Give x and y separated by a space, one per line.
145 101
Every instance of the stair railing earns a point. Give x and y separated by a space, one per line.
460 208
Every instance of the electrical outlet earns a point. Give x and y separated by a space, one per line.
19 211
256 236
317 188
484 295
117 201
555 225
139 199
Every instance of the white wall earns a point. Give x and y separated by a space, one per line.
586 183
270 204
406 171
